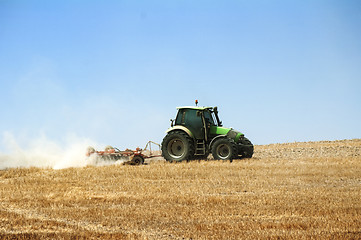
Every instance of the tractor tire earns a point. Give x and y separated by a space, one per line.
224 149
177 146
246 152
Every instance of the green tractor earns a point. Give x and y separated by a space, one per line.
197 131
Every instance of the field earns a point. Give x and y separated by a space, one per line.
290 191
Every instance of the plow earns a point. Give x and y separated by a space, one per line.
128 156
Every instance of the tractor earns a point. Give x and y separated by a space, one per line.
197 131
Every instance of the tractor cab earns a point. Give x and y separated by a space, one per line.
198 120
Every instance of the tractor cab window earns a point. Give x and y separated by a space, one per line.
208 117
188 117
193 119
214 119
180 117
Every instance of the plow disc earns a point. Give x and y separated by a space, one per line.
130 157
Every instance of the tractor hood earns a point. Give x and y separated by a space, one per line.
229 132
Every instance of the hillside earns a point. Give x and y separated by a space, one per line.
322 149
294 190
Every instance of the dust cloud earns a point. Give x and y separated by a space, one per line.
45 153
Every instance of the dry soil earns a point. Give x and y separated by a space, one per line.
306 190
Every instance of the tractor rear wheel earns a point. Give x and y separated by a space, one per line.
177 146
224 149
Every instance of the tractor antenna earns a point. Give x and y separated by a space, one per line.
196 102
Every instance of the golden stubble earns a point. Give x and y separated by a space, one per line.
298 190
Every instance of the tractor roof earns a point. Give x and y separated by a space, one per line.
193 107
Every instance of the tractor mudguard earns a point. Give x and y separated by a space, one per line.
215 139
186 130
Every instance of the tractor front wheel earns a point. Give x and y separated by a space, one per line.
224 149
246 148
177 146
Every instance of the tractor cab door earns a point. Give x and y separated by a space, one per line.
191 119
208 121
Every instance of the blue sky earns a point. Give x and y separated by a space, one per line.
115 71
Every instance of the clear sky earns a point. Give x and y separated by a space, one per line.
115 71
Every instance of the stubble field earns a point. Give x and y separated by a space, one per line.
296 190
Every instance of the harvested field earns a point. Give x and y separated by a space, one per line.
295 190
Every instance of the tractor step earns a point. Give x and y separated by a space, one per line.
200 148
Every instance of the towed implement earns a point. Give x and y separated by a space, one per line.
128 156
